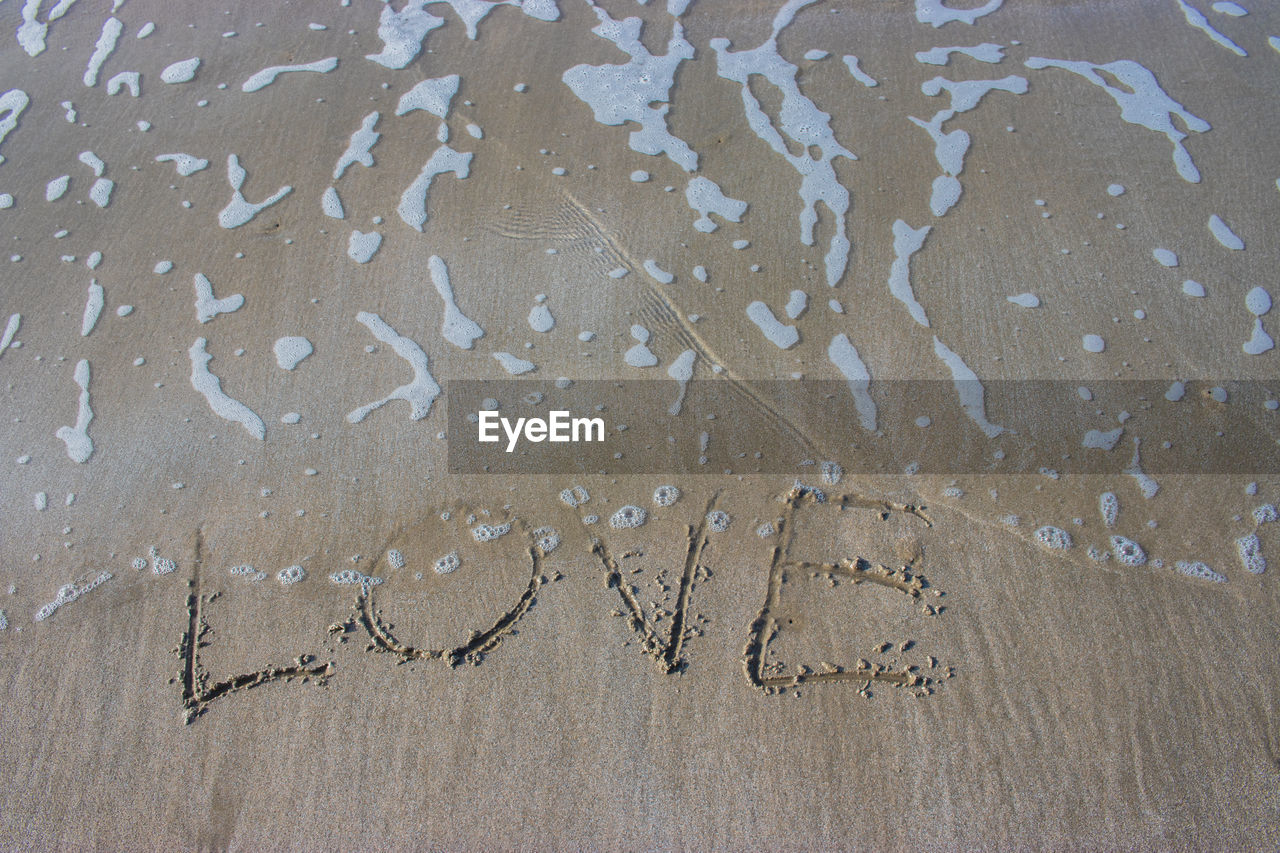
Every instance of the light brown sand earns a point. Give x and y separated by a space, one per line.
1014 698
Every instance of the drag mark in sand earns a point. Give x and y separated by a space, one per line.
771 678
197 690
666 650
478 644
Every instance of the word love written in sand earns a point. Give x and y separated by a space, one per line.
662 634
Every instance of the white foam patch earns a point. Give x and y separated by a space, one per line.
1141 101
1198 570
267 76
12 103
1109 508
186 164
207 307
985 52
1053 538
1196 19
240 210
402 33
681 370
1226 7
362 140
1146 483
413 201
418 393
162 267
622 93
1025 300
513 364
906 242
434 95
844 356
1223 234
540 319
106 44
657 273
290 351
131 80
361 247
968 388
1099 440
147 29
1193 288
804 124
32 31
945 195
949 149
1093 343
457 328
1258 301
855 71
56 188
93 305
797 302
935 13
640 355
211 387
181 72
1249 548
780 335
93 161
69 593
705 196
76 438
1259 342
100 192
331 204
10 330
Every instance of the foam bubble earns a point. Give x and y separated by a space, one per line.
1053 538
627 517
1127 551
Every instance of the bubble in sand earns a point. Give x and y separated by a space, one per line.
1053 538
666 495
628 516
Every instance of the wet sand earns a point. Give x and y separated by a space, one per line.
900 665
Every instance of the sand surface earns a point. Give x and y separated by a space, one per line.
879 653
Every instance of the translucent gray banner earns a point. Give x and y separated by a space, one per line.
882 427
